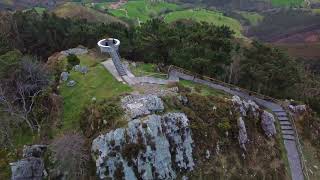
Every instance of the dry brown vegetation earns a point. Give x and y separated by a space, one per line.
70 10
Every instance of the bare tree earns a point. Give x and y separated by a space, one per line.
18 93
71 155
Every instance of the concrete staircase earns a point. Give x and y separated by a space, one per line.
117 63
287 130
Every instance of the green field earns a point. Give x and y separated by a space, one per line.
253 17
213 17
142 10
287 3
98 83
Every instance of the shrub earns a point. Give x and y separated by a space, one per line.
197 89
98 116
71 155
224 125
72 60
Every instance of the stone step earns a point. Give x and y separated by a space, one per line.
277 110
286 127
285 122
289 137
283 118
287 132
281 113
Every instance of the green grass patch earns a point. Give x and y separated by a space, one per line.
203 89
98 83
214 17
39 10
287 3
147 69
142 10
253 17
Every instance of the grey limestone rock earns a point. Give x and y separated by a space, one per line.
141 105
75 51
267 123
161 141
81 69
64 76
297 109
36 150
31 167
243 136
245 106
71 83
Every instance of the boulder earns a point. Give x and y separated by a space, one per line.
71 83
245 106
153 147
31 168
298 109
267 123
243 136
64 76
33 150
141 105
75 51
81 69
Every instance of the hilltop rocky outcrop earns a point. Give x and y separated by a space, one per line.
160 145
151 147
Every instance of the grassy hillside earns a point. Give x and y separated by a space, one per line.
73 10
291 3
214 17
252 17
143 9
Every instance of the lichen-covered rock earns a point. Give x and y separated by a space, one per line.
146 149
243 136
71 83
31 166
64 76
75 51
245 106
267 123
27 168
36 150
298 109
81 69
141 105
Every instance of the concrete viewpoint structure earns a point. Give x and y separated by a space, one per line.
111 46
123 74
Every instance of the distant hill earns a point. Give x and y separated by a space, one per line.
24 4
73 10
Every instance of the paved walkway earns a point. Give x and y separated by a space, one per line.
123 74
288 134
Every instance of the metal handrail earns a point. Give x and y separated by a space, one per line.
231 86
